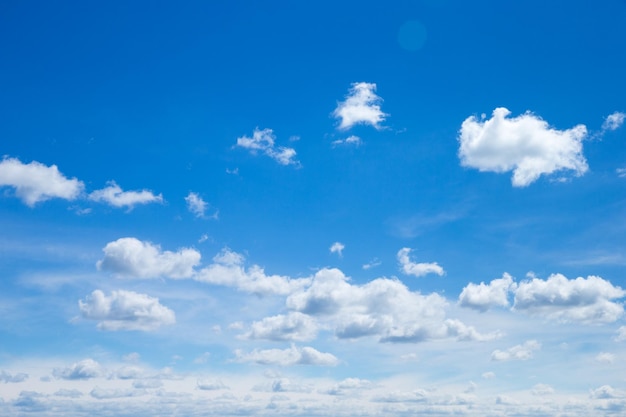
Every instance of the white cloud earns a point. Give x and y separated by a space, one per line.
416 269
125 310
85 369
350 140
288 357
586 300
197 205
294 326
210 385
372 264
614 121
337 248
264 141
349 386
107 394
133 258
621 334
483 296
69 393
518 352
7 377
605 357
526 145
36 182
116 197
542 390
382 308
621 172
228 270
362 106
606 392
488 375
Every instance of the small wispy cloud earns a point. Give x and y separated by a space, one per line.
113 195
337 248
264 141
197 206
613 121
349 141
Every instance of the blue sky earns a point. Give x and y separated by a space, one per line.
278 208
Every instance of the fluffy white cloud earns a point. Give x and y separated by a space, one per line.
85 369
362 106
288 357
116 197
337 248
526 145
7 377
518 352
586 300
133 258
228 270
483 296
382 308
417 269
614 121
264 141
350 140
35 182
125 310
294 326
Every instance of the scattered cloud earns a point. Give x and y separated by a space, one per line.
288 357
416 269
264 141
605 357
483 296
7 377
362 106
586 300
337 248
348 386
606 392
349 141
383 308
228 270
125 310
372 264
210 385
196 204
294 326
621 172
621 334
68 393
113 195
36 182
519 352
613 121
131 257
542 390
525 144
108 394
488 375
85 369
